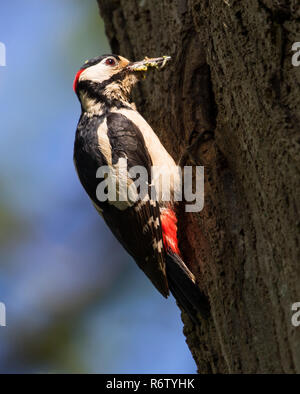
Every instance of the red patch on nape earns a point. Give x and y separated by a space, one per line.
169 229
76 79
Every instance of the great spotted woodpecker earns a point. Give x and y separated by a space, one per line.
109 129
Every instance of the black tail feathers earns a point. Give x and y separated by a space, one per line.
184 289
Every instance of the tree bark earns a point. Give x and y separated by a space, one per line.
231 72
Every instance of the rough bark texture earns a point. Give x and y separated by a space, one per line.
231 72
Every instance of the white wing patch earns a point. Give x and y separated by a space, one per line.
126 193
158 245
164 163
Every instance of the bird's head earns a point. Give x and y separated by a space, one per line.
109 79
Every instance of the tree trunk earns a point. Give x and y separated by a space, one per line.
231 72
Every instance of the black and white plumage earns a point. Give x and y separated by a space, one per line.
110 129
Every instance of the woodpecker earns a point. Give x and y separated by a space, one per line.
109 129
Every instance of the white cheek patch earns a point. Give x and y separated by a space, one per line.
97 73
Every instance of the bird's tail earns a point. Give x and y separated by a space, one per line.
184 288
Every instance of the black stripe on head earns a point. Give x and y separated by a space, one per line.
95 90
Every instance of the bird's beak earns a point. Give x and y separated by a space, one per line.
158 62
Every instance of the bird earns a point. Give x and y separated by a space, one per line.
110 129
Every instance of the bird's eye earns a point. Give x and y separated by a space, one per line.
110 62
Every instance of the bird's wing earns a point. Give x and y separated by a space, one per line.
87 155
136 225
